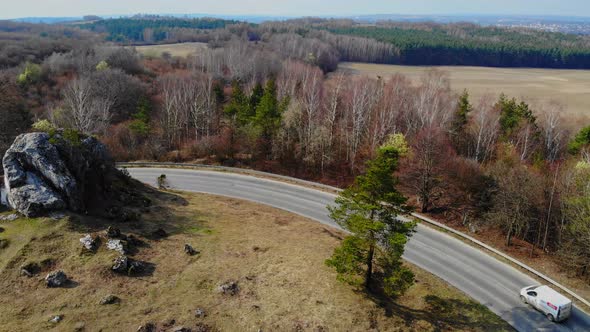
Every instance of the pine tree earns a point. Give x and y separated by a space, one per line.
369 209
463 109
256 96
141 123
239 105
457 133
268 111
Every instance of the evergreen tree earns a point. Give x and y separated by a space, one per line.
460 121
141 123
513 115
256 96
268 111
463 109
239 105
581 140
369 209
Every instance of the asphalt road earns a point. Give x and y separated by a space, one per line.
484 278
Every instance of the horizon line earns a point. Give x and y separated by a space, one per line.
306 16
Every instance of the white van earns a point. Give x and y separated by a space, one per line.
555 306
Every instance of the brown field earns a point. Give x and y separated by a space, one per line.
181 49
570 88
276 257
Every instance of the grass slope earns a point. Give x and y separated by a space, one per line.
276 257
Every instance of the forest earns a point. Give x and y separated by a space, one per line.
265 97
470 45
408 43
146 29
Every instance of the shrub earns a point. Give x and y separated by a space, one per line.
31 74
103 65
43 126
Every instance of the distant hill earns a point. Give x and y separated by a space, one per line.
565 24
242 18
46 20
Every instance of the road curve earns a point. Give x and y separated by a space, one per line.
484 278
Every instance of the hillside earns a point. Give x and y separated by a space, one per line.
276 259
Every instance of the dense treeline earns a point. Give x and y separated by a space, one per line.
470 45
387 42
151 30
262 97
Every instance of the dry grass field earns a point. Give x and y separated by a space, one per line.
276 258
568 87
181 49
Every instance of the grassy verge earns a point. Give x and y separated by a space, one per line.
276 258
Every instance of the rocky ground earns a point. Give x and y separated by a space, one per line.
195 262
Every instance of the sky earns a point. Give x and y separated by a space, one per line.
64 8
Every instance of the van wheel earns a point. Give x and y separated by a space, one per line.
523 299
550 317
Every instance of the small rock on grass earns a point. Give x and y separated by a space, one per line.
117 245
56 319
126 265
200 313
189 250
109 299
229 288
89 242
56 279
121 264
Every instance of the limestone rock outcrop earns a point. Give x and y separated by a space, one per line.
60 171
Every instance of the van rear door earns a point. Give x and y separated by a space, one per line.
564 311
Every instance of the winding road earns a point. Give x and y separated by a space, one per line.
484 278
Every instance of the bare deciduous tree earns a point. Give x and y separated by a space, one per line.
433 103
516 199
174 109
364 93
483 129
431 152
387 115
77 97
553 133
